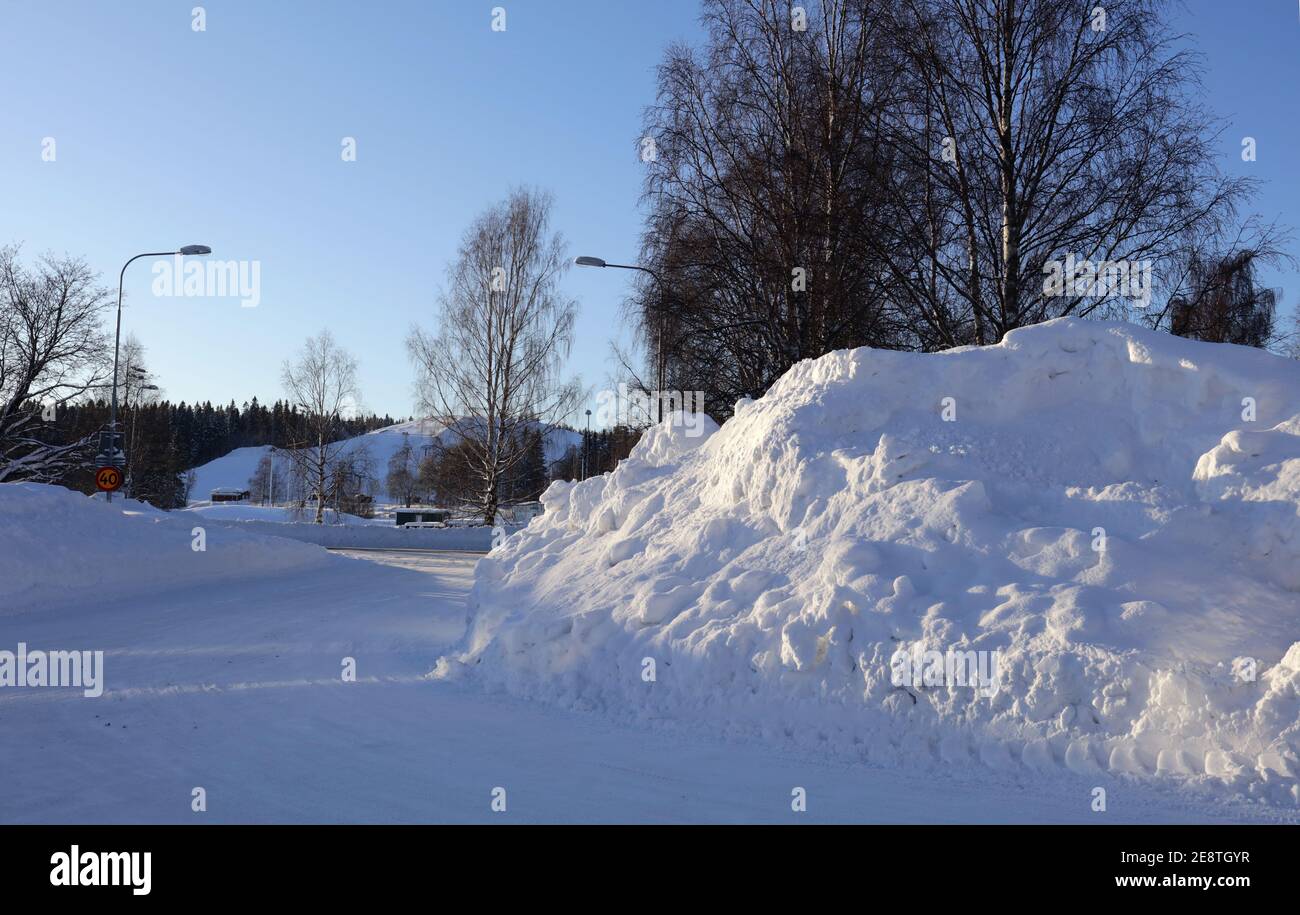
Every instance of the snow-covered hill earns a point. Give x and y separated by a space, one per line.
234 469
1105 518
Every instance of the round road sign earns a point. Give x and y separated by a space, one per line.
108 479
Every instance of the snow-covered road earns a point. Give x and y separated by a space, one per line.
237 689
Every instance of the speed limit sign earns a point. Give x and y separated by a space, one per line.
108 479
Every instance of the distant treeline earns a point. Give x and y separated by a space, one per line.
163 439
604 449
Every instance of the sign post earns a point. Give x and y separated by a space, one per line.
112 458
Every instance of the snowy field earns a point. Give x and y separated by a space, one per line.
236 689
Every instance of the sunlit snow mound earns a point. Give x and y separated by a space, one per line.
1114 512
59 547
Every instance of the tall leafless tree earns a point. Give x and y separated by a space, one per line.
322 383
52 350
1041 129
764 177
923 164
491 372
137 388
402 479
268 484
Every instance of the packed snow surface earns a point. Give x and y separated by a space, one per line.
1111 514
237 688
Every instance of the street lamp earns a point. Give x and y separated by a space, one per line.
117 337
586 448
139 374
660 361
601 262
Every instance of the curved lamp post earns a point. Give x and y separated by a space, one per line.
586 261
586 448
117 337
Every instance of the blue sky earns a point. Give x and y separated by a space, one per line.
231 137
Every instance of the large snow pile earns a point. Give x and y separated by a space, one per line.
57 546
1110 513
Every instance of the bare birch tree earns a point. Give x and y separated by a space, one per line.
491 372
322 383
402 478
1046 130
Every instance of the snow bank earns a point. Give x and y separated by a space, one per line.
1110 513
58 546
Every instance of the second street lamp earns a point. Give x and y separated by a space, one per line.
660 360
586 449
139 375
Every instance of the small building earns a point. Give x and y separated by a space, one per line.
422 517
229 495
521 512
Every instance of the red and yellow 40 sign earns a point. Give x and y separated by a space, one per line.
108 479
